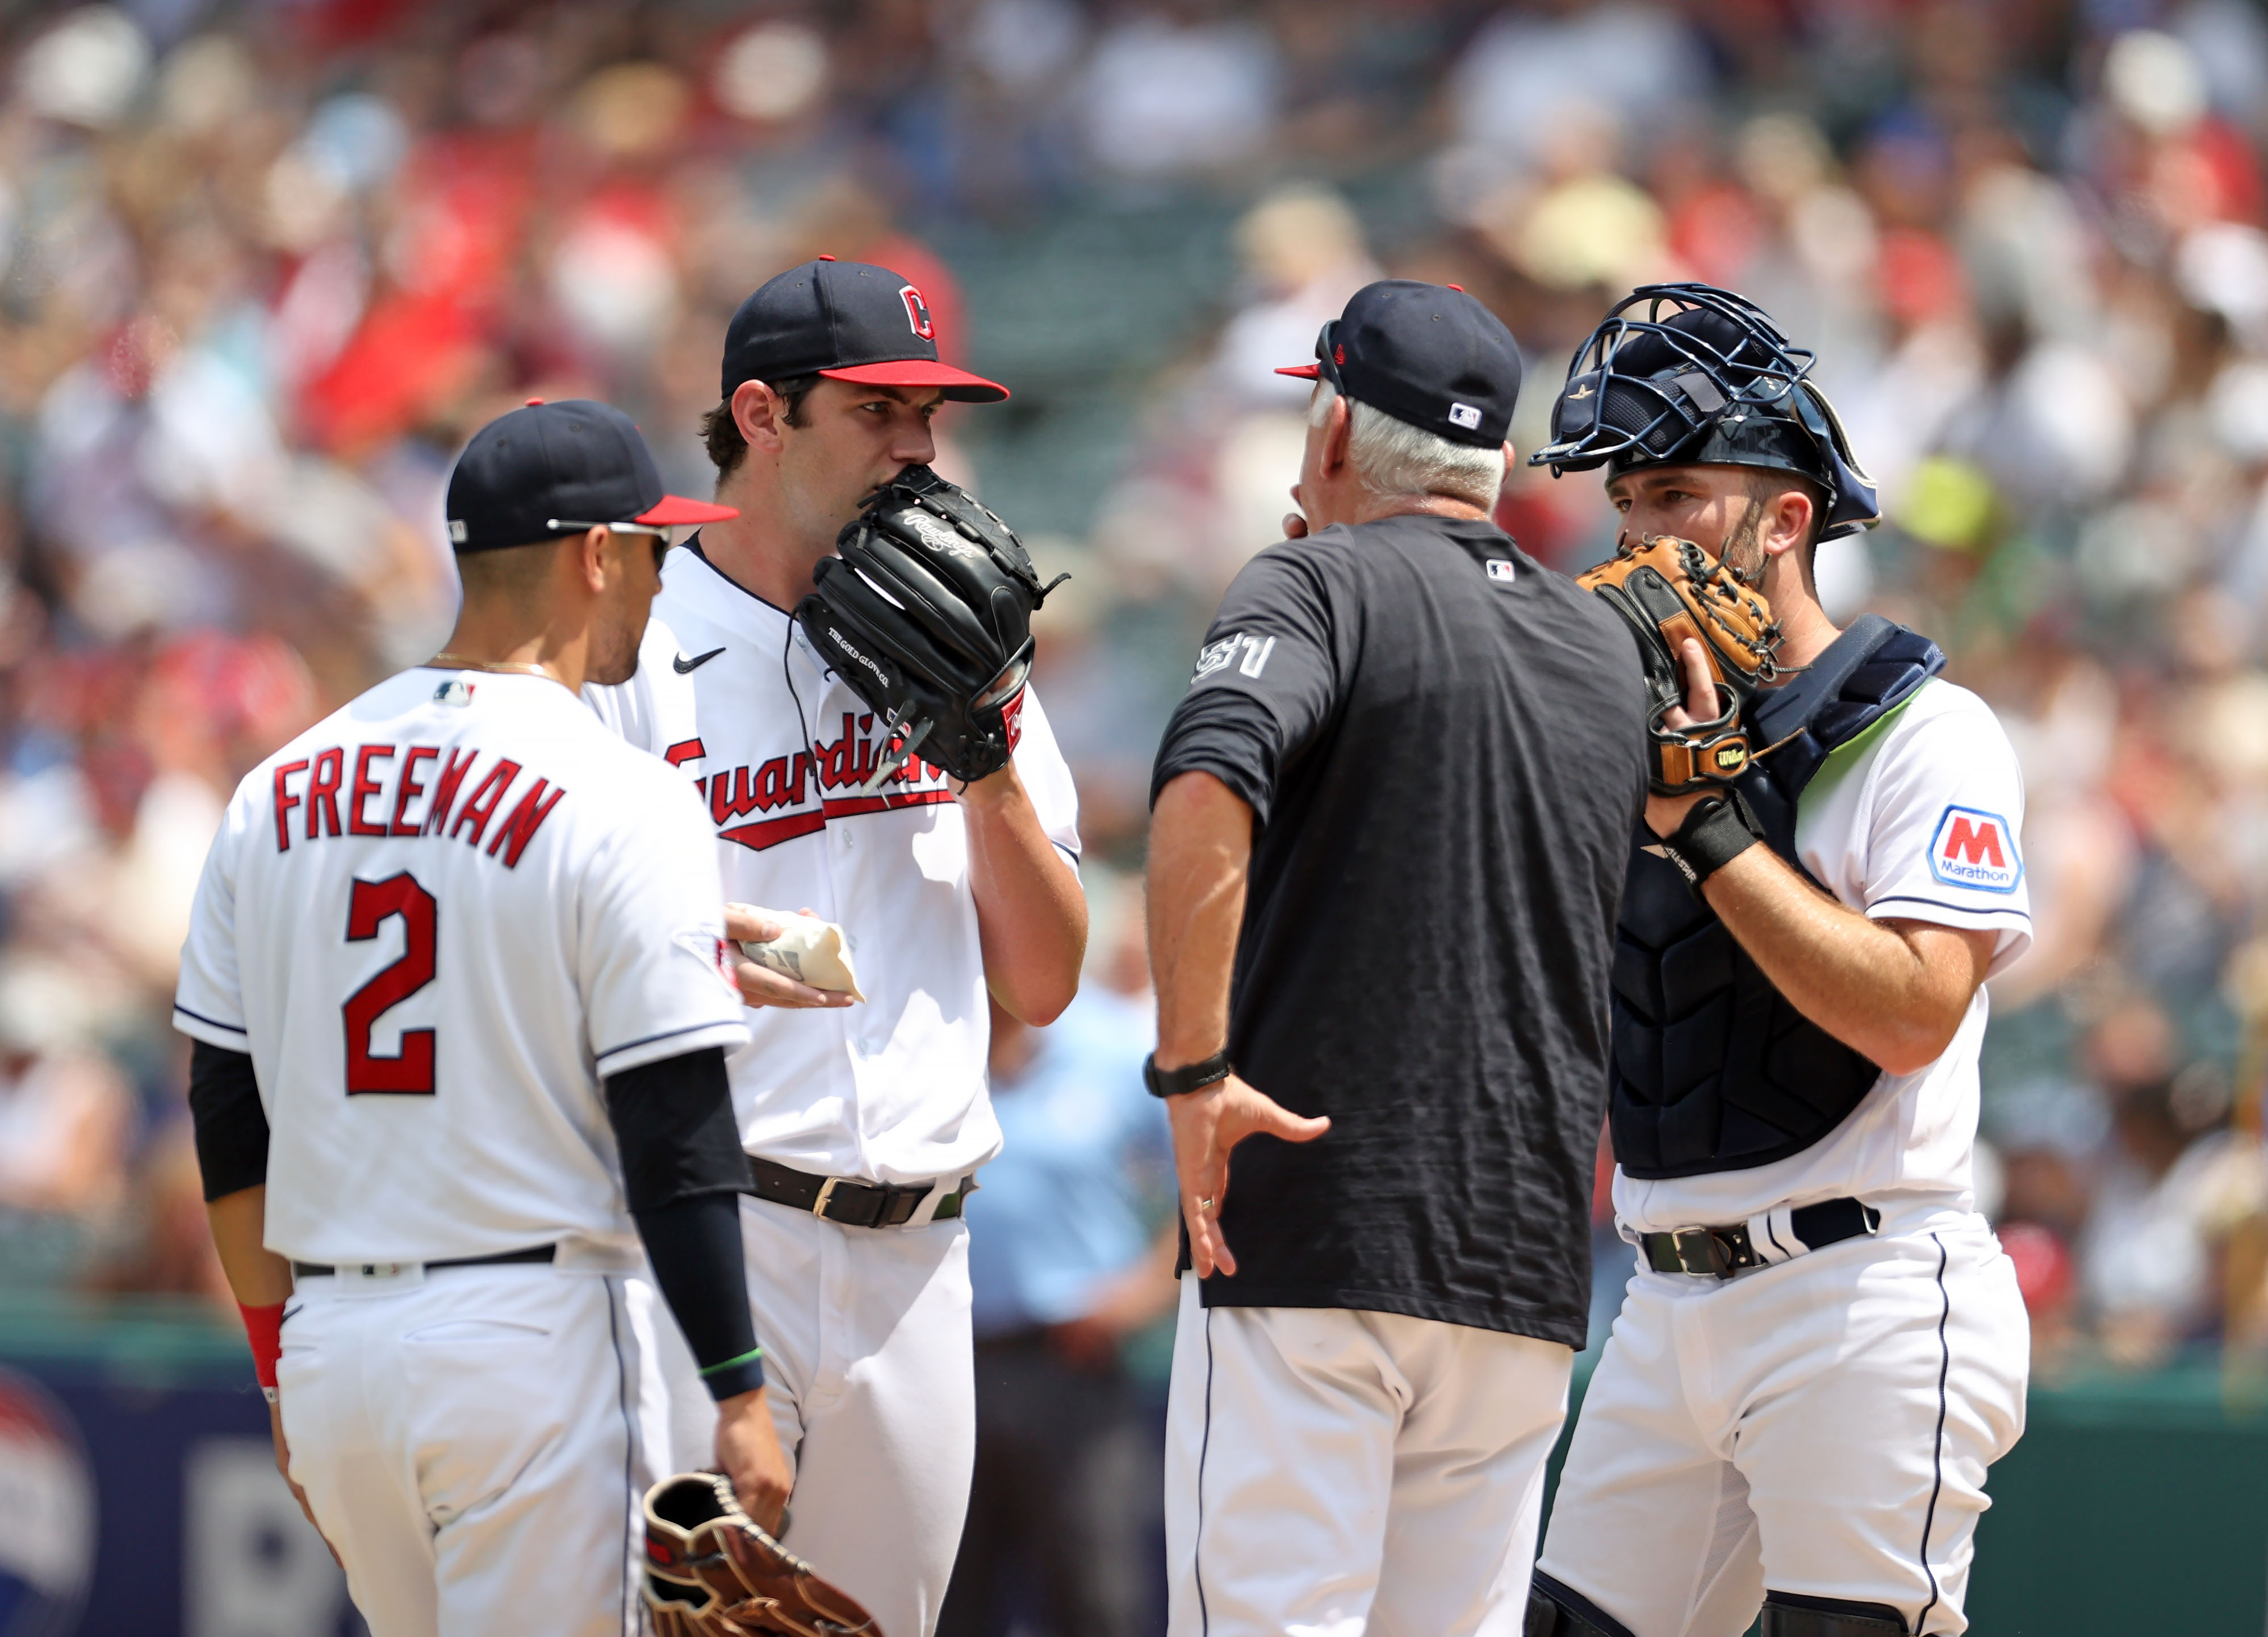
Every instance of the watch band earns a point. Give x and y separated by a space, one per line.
1190 1076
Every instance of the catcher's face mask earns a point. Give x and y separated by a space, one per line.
1682 374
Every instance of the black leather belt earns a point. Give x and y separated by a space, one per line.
1721 1252
533 1253
855 1204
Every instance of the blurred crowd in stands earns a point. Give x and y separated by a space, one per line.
264 265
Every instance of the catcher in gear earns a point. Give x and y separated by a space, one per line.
1823 1348
927 613
712 1572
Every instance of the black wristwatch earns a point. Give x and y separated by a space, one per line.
1189 1077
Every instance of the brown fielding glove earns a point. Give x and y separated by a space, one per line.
711 1571
1669 590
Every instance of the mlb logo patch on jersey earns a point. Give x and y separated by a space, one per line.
1501 569
1975 849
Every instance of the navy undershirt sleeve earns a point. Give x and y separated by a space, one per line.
230 1126
684 1171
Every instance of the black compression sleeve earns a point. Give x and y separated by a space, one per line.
232 1127
673 1121
683 1172
695 1246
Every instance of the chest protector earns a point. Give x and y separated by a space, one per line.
1713 1069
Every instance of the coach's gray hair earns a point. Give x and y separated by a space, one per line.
1392 457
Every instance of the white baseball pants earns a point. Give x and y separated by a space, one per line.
871 1375
475 1443
1332 1472
1820 1426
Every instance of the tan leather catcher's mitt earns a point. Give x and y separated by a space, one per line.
711 1571
1669 590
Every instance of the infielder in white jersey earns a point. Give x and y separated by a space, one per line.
1823 1347
430 929
866 1122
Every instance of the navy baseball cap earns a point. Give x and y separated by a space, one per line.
1427 354
849 321
549 470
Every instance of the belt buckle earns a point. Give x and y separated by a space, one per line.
826 1194
1700 1252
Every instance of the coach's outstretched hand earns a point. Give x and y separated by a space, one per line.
748 1452
1206 1125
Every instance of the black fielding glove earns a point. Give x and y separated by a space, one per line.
927 613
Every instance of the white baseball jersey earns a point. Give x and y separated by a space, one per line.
730 692
1918 819
436 920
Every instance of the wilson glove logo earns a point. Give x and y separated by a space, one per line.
1975 849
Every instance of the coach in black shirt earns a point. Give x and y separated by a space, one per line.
1391 821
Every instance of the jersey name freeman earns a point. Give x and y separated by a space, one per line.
418 790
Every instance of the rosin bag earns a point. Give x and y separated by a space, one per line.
809 950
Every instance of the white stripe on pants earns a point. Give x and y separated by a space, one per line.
872 1386
1332 1472
473 1442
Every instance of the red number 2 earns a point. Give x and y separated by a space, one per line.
371 903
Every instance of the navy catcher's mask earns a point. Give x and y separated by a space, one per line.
1689 374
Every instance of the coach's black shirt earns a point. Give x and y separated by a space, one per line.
1442 743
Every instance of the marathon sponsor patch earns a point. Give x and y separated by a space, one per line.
1247 652
1975 849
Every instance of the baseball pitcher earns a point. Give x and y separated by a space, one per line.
858 729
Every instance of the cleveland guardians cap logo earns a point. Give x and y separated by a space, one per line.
917 312
1975 849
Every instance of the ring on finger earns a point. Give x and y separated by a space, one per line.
1205 1205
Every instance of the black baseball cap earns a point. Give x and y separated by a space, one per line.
1427 354
847 320
549 470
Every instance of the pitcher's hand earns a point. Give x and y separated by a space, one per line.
760 986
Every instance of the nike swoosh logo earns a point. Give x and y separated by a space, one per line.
682 665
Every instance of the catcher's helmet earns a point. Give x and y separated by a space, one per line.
1692 374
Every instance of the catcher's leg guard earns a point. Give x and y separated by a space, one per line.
1789 1614
1554 1611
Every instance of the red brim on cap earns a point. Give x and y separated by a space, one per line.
1304 371
671 509
960 386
